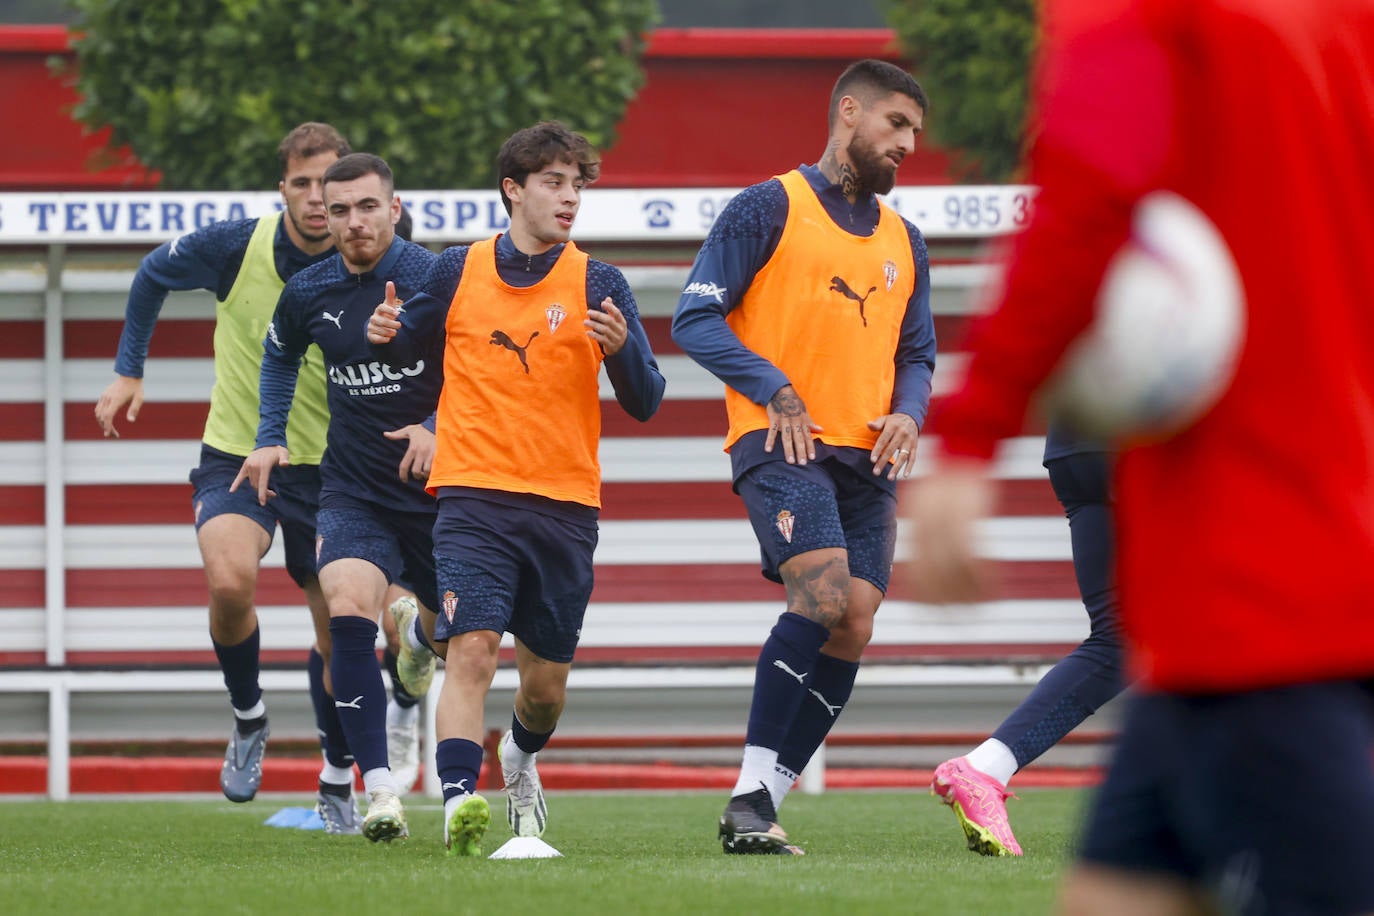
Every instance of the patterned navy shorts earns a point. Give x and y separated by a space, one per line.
400 544
294 507
799 508
512 570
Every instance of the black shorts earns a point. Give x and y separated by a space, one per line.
1265 798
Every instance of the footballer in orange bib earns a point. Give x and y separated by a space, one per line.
810 300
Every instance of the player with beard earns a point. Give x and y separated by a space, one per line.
375 520
810 300
245 263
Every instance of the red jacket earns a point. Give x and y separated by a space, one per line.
1246 543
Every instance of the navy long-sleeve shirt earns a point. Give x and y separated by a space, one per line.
740 243
368 395
208 258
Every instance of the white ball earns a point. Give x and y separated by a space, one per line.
1169 327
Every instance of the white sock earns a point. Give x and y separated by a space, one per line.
513 758
398 715
336 776
413 640
995 759
781 783
756 771
380 778
258 711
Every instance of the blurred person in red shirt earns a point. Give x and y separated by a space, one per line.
1242 778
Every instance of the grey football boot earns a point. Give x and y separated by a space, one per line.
339 813
242 771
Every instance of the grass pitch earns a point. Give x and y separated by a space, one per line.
867 852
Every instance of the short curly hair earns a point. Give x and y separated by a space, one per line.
530 150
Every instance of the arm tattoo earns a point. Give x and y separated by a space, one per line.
787 403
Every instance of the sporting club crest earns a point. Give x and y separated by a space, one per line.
450 605
555 314
890 274
784 523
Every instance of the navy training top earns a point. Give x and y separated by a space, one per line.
208 258
330 306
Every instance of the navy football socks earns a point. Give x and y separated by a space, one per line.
786 663
528 741
399 693
240 666
332 740
825 698
458 761
359 694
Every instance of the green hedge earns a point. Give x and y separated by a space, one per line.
205 89
973 58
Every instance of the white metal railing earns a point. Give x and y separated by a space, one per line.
54 292
59 684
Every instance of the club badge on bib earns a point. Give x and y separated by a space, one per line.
555 314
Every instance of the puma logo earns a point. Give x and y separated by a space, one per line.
833 710
779 663
334 318
837 285
460 785
355 703
501 338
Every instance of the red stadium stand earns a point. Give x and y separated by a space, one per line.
100 582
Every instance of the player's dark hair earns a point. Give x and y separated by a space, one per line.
530 150
356 165
867 79
405 225
311 139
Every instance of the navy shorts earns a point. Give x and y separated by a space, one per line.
293 508
400 544
797 508
512 570
1265 798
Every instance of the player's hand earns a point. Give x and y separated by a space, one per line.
257 470
945 509
419 456
896 445
790 424
386 318
123 390
607 327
